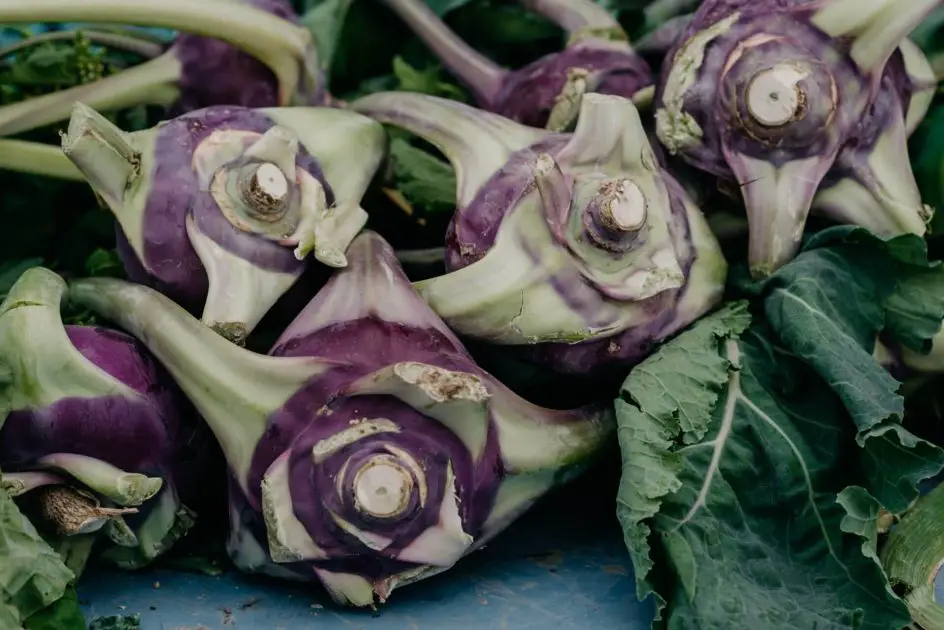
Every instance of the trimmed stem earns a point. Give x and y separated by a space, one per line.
481 75
152 83
73 512
18 483
277 43
573 15
166 523
124 488
37 158
117 41
103 153
913 554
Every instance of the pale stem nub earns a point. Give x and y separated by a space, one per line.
774 97
264 189
624 206
72 511
382 487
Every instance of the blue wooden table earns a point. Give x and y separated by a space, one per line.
561 567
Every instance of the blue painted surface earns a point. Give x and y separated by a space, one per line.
561 567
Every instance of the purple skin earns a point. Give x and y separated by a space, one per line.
626 257
171 264
780 164
369 344
821 131
92 406
295 492
220 207
216 73
473 228
529 94
134 435
637 342
471 234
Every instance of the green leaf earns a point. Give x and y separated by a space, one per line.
104 262
652 418
64 614
426 81
325 21
830 303
424 180
32 576
755 464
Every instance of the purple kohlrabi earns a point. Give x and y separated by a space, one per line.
91 426
546 92
580 244
368 450
871 183
767 92
257 56
211 205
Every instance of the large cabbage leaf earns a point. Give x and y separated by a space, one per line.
759 446
32 576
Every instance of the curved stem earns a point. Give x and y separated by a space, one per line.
481 75
152 83
279 44
17 483
573 15
235 390
126 43
37 158
124 488
477 143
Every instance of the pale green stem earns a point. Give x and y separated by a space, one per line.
117 41
277 43
480 74
36 158
153 82
124 488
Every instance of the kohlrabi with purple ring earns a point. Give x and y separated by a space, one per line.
256 55
579 245
766 93
218 208
91 425
367 448
871 183
548 91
